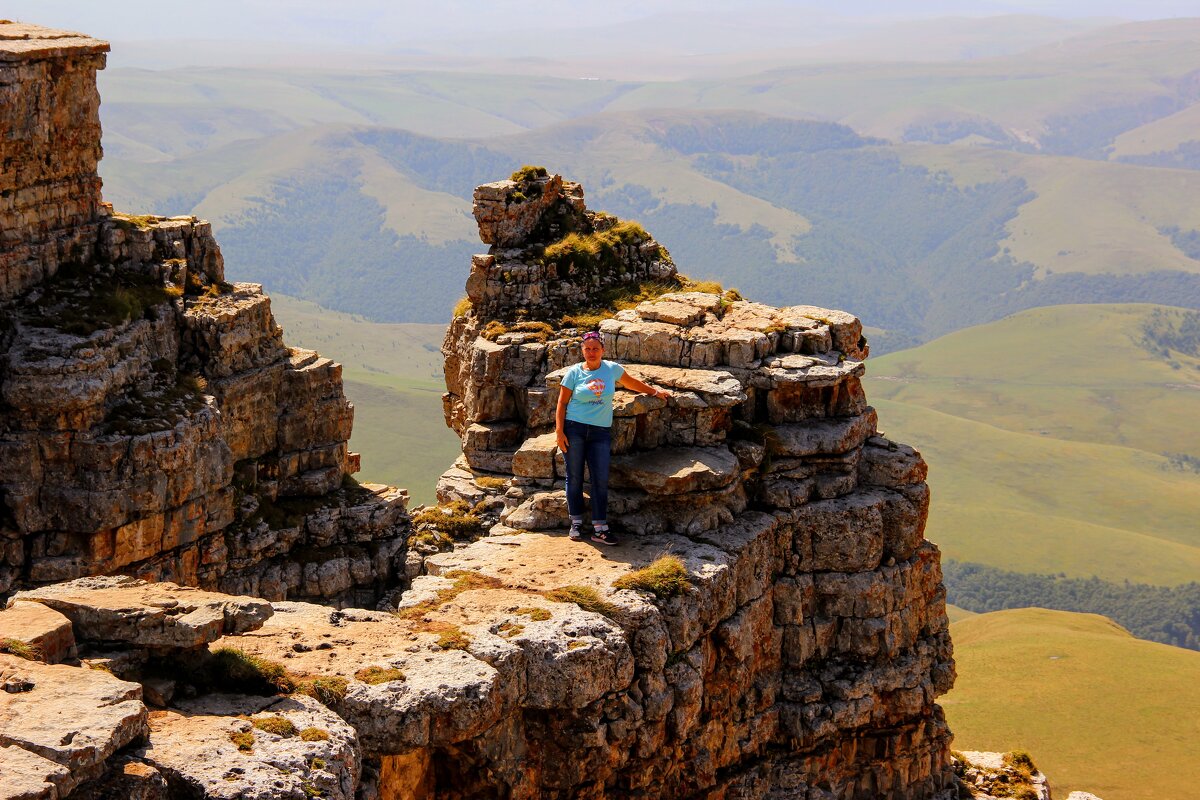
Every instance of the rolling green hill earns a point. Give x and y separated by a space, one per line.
1099 710
1059 439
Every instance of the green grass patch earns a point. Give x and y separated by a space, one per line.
449 637
234 670
586 597
80 301
141 222
15 647
244 740
490 482
375 675
280 726
529 172
455 519
664 577
534 613
325 689
618 298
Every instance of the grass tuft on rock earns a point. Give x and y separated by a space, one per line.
452 637
276 724
375 675
1021 761
325 689
618 298
238 671
529 172
15 647
455 519
534 613
586 597
462 307
315 735
244 740
664 577
490 482
464 580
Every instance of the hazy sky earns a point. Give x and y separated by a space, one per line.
409 22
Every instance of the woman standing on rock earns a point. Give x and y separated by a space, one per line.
583 423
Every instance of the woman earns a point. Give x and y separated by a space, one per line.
583 423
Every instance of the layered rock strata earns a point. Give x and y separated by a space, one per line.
807 656
50 115
152 420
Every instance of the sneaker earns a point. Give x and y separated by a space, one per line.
576 532
605 536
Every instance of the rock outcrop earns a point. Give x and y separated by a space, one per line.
805 658
153 421
173 488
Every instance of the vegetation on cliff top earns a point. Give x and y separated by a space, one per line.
664 577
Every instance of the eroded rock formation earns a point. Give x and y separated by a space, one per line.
153 420
155 425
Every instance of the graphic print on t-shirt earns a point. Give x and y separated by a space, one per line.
597 386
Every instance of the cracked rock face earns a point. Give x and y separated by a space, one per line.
154 421
128 611
805 657
60 724
230 746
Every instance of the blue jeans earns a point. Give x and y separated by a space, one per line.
593 444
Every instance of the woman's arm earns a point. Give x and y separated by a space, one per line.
560 417
627 381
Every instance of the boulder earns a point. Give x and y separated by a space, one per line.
154 615
43 629
675 470
74 717
255 748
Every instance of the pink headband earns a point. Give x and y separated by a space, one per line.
592 335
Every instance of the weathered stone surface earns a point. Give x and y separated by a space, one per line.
49 191
822 437
675 470
194 749
157 446
48 632
74 717
127 778
131 611
535 457
28 776
445 696
989 775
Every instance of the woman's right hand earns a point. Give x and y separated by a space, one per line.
562 441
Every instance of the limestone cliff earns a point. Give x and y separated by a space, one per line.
773 626
152 420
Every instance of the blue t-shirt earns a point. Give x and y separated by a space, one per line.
592 392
